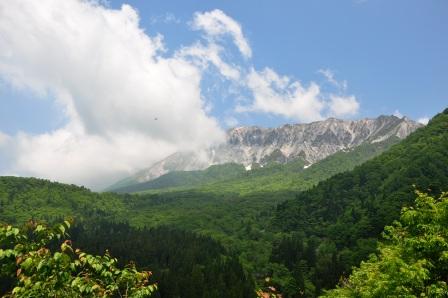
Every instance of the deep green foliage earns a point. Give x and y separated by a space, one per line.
305 244
186 179
236 212
29 268
184 264
22 199
348 211
44 200
412 260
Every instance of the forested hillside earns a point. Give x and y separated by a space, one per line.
183 264
341 218
237 212
412 258
22 199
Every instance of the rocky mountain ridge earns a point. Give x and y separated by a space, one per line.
256 145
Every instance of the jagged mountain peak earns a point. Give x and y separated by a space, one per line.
309 141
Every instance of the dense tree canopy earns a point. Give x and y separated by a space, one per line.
412 260
184 264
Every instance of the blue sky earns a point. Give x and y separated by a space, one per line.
393 54
79 77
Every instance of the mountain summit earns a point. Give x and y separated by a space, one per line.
256 145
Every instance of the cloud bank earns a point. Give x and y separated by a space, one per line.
126 103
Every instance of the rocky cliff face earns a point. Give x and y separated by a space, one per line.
311 142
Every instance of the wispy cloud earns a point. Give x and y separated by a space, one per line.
216 23
167 18
330 77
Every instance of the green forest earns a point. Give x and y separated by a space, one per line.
224 232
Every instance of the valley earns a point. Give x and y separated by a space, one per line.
328 215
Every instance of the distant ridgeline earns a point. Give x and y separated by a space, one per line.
254 146
303 241
292 176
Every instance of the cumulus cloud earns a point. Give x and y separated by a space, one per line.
280 95
423 120
216 23
124 103
343 105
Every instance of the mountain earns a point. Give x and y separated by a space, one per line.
263 146
234 178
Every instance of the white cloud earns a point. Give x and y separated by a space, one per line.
126 106
423 120
277 95
343 105
329 75
203 55
282 96
216 23
4 138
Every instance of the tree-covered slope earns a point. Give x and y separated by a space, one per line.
412 259
342 216
183 264
186 179
24 198
304 244
236 212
